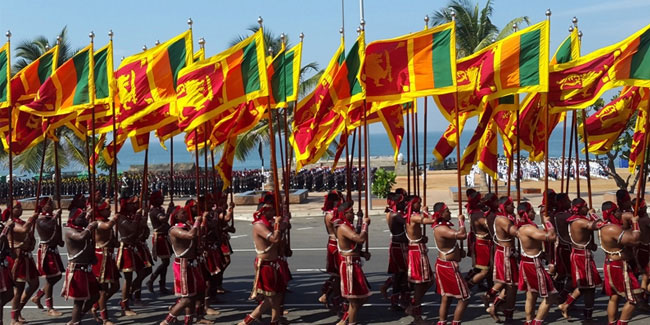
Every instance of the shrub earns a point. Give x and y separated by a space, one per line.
383 182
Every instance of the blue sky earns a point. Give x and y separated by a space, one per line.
136 23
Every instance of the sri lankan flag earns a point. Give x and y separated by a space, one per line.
569 50
69 89
284 76
104 84
346 87
606 125
245 117
579 83
148 80
487 158
472 150
639 139
447 142
224 166
5 76
407 67
209 87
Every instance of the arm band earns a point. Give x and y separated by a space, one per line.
276 227
548 225
196 224
364 227
269 235
635 226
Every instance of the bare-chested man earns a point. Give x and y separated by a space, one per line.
23 268
641 259
354 286
105 269
6 284
129 257
397 254
80 282
226 227
330 293
505 270
583 268
479 242
48 261
419 267
160 246
617 238
450 281
188 279
533 278
212 256
562 254
268 279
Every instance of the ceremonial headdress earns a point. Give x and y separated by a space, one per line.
76 213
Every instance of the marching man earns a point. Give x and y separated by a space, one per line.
450 281
330 209
533 278
160 246
105 269
419 268
80 282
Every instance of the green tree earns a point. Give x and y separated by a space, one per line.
71 149
258 136
474 27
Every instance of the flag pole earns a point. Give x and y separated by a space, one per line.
642 169
40 173
197 177
274 167
57 170
350 165
586 135
546 135
114 165
408 150
568 171
91 92
10 204
518 179
460 192
571 28
416 152
205 166
424 140
575 140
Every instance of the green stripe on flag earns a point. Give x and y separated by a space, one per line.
176 53
278 79
82 68
640 65
509 99
442 61
287 73
353 63
529 58
249 69
3 76
563 53
101 74
45 67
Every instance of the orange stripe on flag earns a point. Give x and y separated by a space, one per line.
234 81
423 62
510 62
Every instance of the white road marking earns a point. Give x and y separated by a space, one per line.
237 236
310 270
304 228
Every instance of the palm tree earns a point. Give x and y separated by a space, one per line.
259 135
474 27
70 148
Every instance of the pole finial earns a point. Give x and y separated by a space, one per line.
359 30
302 36
341 31
514 27
92 36
363 24
8 34
452 13
58 39
571 29
548 12
110 34
270 51
202 42
144 48
574 20
283 38
190 22
260 21
426 19
580 34
157 42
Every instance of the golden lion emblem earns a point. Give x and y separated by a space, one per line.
379 68
198 90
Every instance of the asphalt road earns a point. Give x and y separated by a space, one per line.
308 242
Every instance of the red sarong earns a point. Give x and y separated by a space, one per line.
583 269
129 258
419 270
285 272
5 277
619 280
188 280
534 278
80 282
268 279
226 249
642 254
482 253
49 262
398 257
145 254
505 266
332 259
105 269
160 246
562 259
353 282
213 259
23 268
450 281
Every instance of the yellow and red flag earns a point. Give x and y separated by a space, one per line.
416 65
447 142
211 86
487 158
284 76
5 76
346 87
639 139
472 150
224 166
606 125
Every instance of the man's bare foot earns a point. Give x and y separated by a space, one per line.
493 313
37 301
384 290
564 309
285 312
486 300
204 321
128 313
93 313
54 313
16 322
212 312
108 322
22 319
322 299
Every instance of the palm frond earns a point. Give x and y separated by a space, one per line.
507 30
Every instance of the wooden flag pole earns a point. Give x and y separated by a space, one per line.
57 173
547 136
145 180
93 183
408 150
40 173
171 169
197 175
642 169
586 141
518 178
569 160
274 166
416 152
460 192
205 166
10 204
575 140
424 155
563 151
350 165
